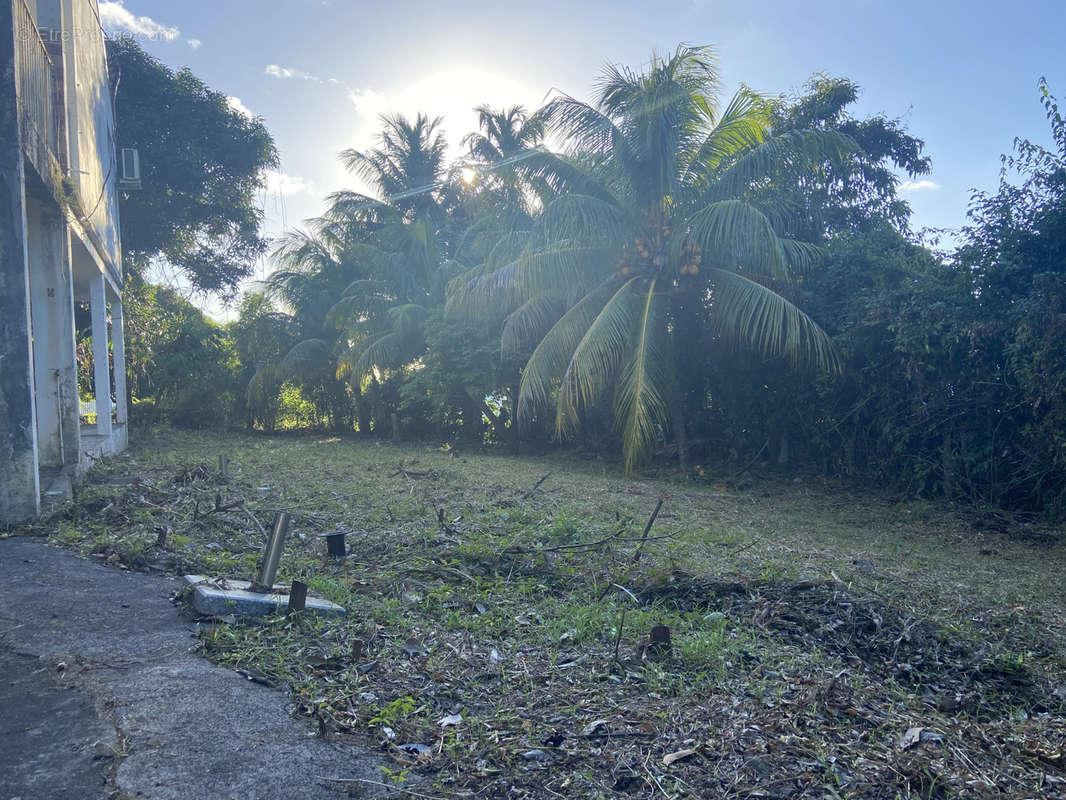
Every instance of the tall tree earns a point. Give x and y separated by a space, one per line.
403 246
657 220
858 188
202 163
314 269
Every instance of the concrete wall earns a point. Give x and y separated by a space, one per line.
51 254
19 490
91 129
54 346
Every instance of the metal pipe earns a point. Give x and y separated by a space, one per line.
264 582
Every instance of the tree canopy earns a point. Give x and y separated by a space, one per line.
202 164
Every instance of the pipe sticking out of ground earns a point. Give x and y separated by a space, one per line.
264 581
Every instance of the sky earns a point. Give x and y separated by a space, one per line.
962 76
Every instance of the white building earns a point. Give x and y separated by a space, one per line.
59 246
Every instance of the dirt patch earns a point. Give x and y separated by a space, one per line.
882 638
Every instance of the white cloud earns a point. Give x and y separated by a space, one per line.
194 43
367 101
451 93
279 183
919 186
235 104
115 17
276 71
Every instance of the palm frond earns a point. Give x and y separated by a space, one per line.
748 314
529 322
407 318
597 356
306 360
744 124
551 356
583 218
263 385
568 269
792 148
641 408
345 205
560 175
736 233
586 129
802 257
390 350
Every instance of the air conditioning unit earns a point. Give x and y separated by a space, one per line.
129 176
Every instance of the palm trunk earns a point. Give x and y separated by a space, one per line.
677 419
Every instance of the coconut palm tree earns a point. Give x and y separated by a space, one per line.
655 228
506 133
406 167
314 267
401 249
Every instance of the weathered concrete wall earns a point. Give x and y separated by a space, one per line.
91 129
19 497
54 347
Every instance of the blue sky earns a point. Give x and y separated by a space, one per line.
961 75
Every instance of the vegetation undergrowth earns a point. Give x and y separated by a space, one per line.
501 636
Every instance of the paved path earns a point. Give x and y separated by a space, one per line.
182 728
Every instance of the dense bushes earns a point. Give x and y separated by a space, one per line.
955 366
178 359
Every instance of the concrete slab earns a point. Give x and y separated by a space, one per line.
221 597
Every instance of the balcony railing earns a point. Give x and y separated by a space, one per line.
40 94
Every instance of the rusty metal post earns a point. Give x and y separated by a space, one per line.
297 597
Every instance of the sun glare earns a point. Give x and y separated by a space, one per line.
469 175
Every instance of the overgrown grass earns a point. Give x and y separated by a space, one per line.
810 627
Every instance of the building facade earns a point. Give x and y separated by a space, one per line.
60 251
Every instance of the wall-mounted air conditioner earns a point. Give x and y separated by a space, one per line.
129 175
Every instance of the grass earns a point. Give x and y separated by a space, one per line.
810 626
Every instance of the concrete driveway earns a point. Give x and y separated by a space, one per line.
101 698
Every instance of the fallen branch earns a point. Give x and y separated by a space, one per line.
251 516
647 528
751 463
577 546
227 507
536 486
445 527
622 621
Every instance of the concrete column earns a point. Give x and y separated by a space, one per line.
19 489
118 356
54 354
101 365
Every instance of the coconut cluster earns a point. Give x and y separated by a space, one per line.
648 253
691 256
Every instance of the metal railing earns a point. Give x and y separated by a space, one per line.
40 92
